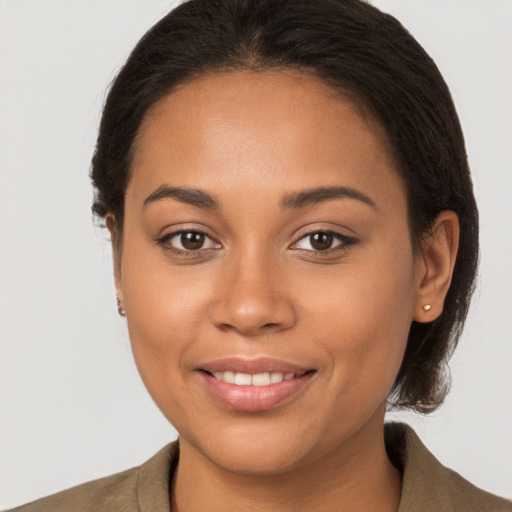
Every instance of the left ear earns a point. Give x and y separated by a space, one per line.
435 266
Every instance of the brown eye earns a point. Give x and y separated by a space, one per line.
326 242
183 242
321 241
192 240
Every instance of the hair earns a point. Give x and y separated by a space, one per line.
360 52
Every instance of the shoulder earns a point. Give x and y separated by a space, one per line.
142 488
429 486
115 492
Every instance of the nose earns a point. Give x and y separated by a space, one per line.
253 299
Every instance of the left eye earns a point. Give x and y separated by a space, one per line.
321 241
188 241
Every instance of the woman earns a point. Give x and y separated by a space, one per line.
295 243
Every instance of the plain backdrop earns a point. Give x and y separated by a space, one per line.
72 406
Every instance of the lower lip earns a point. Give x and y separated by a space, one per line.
255 398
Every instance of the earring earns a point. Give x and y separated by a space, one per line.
426 307
120 308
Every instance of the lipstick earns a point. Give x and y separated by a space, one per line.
253 385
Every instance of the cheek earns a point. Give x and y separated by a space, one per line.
363 315
164 306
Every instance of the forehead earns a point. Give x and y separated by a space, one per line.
282 129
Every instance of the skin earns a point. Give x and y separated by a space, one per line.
259 288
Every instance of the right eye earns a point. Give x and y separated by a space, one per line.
187 241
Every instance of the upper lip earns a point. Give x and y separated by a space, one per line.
253 366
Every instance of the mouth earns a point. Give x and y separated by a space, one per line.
257 379
254 385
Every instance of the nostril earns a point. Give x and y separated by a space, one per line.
249 330
251 314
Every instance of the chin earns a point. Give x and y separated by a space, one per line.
260 459
254 450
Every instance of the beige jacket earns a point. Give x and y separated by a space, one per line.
427 485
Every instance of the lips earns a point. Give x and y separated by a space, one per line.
254 385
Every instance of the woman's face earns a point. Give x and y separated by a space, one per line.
266 242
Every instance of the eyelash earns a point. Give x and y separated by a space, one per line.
345 242
164 242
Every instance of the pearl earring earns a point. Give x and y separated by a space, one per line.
426 307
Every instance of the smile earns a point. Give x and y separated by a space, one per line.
254 385
258 379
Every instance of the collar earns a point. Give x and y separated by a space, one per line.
426 484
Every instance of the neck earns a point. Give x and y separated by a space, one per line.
357 476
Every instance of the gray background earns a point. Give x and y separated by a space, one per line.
72 407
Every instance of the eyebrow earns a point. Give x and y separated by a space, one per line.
190 196
321 194
203 200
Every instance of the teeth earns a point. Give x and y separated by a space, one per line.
243 379
229 377
261 379
258 379
276 377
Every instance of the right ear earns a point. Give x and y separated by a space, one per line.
115 239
